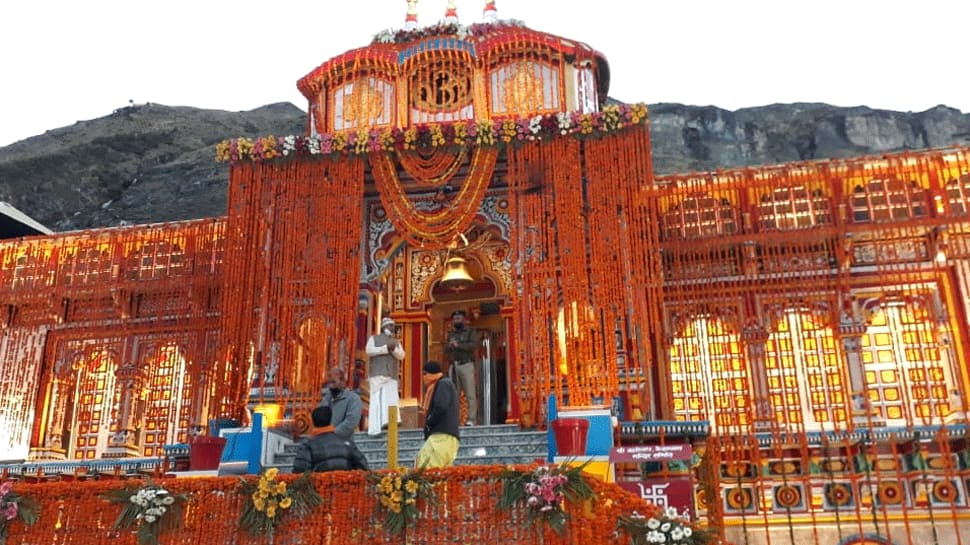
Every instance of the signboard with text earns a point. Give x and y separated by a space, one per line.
677 492
651 453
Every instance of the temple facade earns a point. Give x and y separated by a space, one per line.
813 315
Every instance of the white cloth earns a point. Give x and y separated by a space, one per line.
383 394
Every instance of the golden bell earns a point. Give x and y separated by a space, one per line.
456 275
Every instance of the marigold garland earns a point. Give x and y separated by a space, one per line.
151 507
464 133
543 491
13 507
399 493
270 499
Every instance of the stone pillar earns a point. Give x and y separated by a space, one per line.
755 339
126 441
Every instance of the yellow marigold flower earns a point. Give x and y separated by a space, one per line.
411 487
396 508
270 512
258 504
286 502
281 487
397 496
222 151
397 483
272 472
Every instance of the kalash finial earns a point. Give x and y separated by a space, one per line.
411 19
451 12
490 13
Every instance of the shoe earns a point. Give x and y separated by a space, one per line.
469 423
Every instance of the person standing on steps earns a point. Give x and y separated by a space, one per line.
460 349
440 409
385 353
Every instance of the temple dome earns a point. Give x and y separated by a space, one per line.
448 73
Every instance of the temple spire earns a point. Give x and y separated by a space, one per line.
490 13
411 19
451 12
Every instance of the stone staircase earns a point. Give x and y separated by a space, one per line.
484 445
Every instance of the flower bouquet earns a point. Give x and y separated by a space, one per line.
13 506
270 499
544 490
399 493
152 508
664 526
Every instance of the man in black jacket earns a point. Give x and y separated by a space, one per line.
326 451
440 408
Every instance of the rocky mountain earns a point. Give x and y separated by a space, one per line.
153 163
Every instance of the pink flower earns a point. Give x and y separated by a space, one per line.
5 488
10 512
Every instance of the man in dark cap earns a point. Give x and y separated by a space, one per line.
440 408
325 450
460 349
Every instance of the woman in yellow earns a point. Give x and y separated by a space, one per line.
440 408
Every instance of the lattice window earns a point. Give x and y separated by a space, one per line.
365 102
525 88
86 267
804 371
700 216
907 380
167 411
96 403
888 200
958 195
793 208
709 376
30 271
156 260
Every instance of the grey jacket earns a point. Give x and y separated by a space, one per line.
347 410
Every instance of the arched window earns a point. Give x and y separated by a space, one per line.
698 217
804 372
709 376
884 200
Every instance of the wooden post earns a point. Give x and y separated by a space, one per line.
392 437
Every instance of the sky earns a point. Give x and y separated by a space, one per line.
70 60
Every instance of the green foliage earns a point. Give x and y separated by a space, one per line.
543 492
399 493
269 499
151 508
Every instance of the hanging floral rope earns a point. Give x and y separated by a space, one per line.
434 229
432 166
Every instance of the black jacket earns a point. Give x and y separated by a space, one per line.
442 414
327 452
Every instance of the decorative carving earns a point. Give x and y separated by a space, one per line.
364 106
522 92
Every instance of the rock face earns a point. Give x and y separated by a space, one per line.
153 163
690 138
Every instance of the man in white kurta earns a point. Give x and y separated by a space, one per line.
385 353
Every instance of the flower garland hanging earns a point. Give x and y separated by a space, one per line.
399 493
463 133
663 526
13 507
270 498
152 508
544 491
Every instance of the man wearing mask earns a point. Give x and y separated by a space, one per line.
460 349
385 353
343 402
